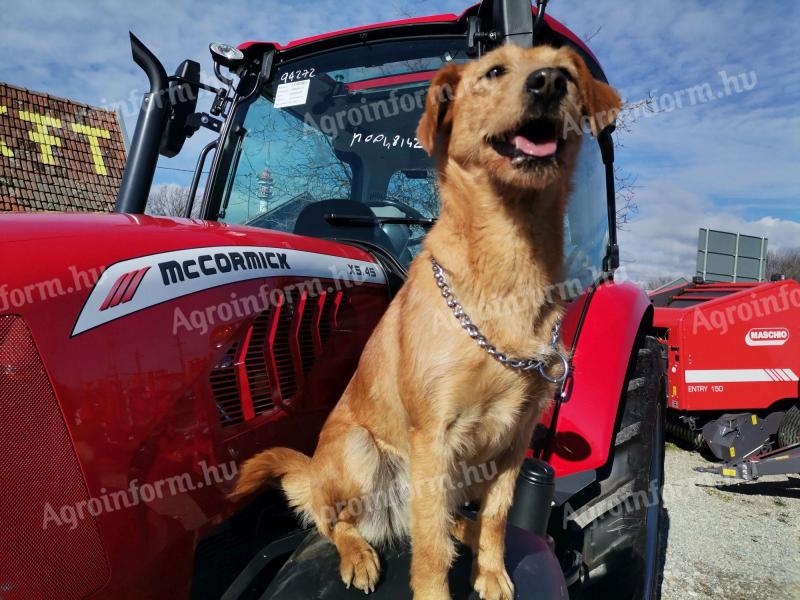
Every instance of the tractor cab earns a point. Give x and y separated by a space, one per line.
327 148
318 137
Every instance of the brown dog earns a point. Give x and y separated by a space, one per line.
427 406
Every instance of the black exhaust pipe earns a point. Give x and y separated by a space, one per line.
143 155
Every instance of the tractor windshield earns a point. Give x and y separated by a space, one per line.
327 148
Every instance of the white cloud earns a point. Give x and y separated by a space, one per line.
662 241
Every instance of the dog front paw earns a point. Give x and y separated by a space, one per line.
494 585
360 567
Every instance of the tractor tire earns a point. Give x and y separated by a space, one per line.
622 522
789 428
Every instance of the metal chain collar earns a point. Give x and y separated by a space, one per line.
525 365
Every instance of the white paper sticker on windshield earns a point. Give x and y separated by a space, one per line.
292 94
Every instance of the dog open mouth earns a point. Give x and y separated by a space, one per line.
533 143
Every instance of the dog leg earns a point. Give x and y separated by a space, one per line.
433 549
358 562
490 578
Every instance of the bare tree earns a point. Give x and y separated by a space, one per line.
167 200
588 37
658 282
784 262
625 187
625 182
632 112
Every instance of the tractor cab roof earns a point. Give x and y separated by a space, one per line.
444 24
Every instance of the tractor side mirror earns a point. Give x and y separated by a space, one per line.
182 96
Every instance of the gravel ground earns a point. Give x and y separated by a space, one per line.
729 541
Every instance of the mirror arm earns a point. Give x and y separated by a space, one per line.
201 119
202 86
226 80
611 260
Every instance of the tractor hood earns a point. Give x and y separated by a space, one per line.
124 234
100 269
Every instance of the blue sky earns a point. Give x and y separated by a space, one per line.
731 162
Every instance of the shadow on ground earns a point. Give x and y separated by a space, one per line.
784 489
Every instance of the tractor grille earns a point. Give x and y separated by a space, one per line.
44 552
226 388
271 360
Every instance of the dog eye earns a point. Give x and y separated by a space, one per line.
567 74
496 71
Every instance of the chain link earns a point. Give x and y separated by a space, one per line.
525 365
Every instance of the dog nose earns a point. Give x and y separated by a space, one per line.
547 84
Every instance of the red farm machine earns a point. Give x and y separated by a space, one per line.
732 364
143 358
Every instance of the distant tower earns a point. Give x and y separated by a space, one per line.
264 190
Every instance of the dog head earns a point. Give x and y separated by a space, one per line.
517 112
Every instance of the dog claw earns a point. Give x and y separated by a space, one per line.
361 568
494 585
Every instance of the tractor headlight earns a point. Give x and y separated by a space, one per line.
226 55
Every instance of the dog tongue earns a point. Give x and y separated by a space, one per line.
530 148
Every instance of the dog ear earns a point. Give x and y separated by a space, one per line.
601 102
438 116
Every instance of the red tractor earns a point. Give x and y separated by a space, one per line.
143 358
732 364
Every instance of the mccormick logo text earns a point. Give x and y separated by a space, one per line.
775 336
209 265
140 283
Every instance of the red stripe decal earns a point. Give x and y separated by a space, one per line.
121 283
122 288
113 291
134 285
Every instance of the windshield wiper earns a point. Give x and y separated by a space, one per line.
337 219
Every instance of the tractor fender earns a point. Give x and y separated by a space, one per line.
607 334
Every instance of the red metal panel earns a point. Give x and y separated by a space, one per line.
269 351
716 365
319 309
294 337
335 310
241 376
586 421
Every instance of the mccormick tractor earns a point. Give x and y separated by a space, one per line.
168 350
732 365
